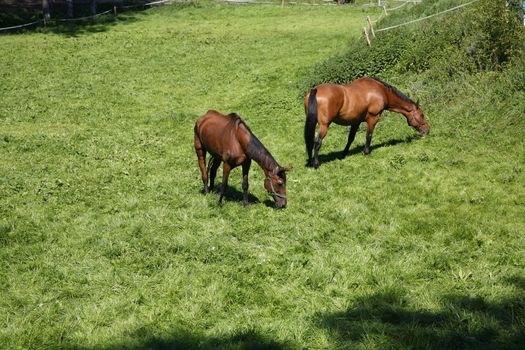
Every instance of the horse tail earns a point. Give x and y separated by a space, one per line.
196 128
196 134
199 146
311 122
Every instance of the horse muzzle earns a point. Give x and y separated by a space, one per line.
280 204
424 131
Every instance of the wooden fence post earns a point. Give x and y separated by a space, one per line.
371 26
93 7
69 4
367 37
45 10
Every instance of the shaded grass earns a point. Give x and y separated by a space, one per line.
106 241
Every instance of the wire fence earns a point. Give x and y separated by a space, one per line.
146 4
398 7
83 18
385 3
281 3
369 29
324 3
21 25
426 17
160 2
386 10
40 21
317 3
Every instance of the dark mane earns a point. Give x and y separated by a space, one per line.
395 91
255 149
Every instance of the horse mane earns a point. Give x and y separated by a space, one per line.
394 90
255 149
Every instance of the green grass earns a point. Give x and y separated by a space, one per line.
106 241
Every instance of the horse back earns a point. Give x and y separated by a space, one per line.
330 100
222 136
350 103
369 93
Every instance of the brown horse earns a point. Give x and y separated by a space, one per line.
361 101
228 139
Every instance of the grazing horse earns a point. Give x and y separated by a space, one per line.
361 101
228 139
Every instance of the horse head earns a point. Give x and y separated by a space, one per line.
416 119
275 184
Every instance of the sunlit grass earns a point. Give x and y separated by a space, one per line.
107 242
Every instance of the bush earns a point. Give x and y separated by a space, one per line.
496 34
482 37
360 60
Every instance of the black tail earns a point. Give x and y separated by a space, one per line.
311 122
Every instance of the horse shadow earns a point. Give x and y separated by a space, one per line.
385 315
231 194
338 155
83 22
148 338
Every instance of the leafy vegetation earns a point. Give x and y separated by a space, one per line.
106 241
467 41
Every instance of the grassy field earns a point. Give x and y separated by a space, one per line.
106 241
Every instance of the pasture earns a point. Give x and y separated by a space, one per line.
106 241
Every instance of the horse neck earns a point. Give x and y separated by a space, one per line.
265 161
256 151
399 104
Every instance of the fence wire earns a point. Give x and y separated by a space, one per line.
81 18
391 9
426 17
21 25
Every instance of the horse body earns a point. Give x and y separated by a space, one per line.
361 101
229 140
222 138
350 107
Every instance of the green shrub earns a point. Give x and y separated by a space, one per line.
481 37
496 34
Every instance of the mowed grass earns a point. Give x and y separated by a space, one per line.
106 241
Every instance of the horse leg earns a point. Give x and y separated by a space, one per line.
371 122
309 149
351 137
201 157
225 173
323 129
213 171
245 169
